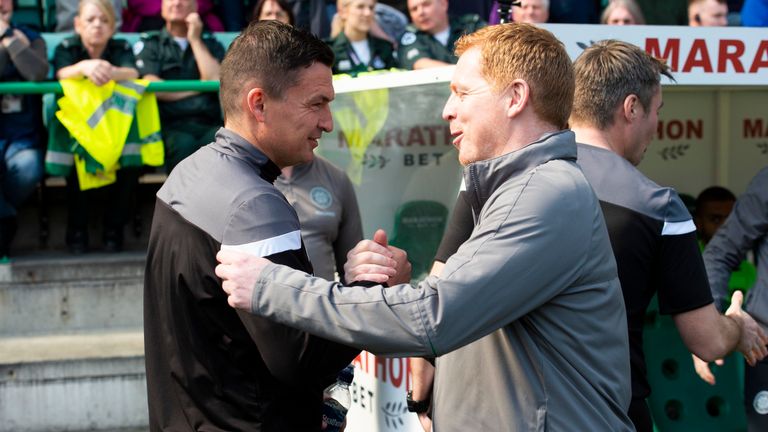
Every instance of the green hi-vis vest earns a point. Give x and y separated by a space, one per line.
98 129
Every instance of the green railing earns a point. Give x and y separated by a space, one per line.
161 86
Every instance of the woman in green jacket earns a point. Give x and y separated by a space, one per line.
356 50
92 53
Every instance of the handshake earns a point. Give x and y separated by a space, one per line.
370 261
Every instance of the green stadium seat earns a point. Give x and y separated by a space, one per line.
28 12
681 401
419 227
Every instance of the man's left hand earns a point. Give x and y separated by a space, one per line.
702 369
752 343
239 272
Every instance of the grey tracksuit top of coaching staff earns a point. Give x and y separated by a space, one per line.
527 321
208 366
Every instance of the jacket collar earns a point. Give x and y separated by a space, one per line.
230 143
484 177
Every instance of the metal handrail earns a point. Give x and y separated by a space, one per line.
26 87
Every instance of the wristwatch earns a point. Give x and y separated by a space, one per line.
7 33
417 407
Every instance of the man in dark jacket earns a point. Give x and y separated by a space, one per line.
22 58
209 367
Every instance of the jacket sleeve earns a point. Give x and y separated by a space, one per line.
291 355
29 59
524 252
747 223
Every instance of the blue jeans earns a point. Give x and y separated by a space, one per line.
21 168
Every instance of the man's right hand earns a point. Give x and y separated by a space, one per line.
753 341
376 261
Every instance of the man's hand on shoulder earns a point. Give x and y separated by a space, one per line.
239 272
753 341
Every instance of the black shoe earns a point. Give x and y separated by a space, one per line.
77 242
7 232
113 240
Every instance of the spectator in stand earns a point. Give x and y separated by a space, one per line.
147 15
67 9
388 24
754 13
531 11
622 12
182 50
22 58
277 10
707 13
355 49
92 53
429 41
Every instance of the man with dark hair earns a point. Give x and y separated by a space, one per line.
713 205
22 58
527 320
209 367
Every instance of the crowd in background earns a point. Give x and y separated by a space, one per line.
177 43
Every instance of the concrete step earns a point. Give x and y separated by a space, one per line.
74 382
55 294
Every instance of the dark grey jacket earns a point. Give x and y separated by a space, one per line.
528 321
745 229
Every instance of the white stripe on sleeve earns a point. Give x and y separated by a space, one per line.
270 246
678 228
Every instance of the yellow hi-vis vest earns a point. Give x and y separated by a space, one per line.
101 119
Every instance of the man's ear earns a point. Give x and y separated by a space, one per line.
519 94
255 103
631 107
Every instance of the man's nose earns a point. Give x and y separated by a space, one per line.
326 120
449 111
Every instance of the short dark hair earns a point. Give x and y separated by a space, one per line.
268 54
256 12
713 194
606 73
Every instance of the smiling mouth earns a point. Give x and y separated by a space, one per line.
457 136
